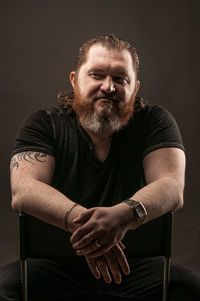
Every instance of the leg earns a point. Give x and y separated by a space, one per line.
145 283
10 282
55 281
47 280
184 283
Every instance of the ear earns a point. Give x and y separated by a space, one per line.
72 78
137 86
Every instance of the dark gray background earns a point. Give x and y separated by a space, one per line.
39 43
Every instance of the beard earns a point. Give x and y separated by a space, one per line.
113 115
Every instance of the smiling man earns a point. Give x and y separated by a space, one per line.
105 89
101 164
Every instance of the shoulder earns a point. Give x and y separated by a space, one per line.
151 111
153 115
60 114
46 116
42 131
156 128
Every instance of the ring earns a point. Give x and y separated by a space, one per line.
97 243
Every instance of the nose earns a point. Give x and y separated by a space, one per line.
107 86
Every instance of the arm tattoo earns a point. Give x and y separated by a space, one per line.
26 156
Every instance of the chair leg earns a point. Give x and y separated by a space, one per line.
24 279
166 277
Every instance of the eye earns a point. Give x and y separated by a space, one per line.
96 75
121 80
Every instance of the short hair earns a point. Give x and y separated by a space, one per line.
110 42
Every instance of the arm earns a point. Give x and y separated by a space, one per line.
31 176
164 171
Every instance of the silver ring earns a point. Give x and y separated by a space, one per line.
97 243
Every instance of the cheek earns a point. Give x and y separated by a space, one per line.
125 95
88 89
130 94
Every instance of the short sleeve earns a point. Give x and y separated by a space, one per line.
161 130
35 134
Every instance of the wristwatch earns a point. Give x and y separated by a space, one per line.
140 211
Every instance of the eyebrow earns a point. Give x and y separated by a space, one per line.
96 70
119 71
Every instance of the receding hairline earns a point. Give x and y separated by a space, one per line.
109 48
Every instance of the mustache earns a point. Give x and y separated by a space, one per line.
106 96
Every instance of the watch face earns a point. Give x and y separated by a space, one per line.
141 211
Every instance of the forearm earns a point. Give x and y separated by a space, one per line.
44 202
160 197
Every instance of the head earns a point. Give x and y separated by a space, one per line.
110 42
105 84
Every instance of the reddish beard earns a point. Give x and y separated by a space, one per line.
117 110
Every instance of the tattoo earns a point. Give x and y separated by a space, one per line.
13 164
28 157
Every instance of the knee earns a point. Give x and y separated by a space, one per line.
10 285
184 284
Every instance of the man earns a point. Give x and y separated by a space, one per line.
87 167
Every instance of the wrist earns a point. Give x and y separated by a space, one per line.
73 212
138 210
128 218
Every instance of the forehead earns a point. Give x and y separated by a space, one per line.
100 56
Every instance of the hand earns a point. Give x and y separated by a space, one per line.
100 229
110 262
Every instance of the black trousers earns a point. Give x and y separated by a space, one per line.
63 280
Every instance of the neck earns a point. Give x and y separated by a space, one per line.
99 139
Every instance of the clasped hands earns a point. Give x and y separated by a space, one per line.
98 238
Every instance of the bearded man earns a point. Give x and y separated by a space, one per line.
85 167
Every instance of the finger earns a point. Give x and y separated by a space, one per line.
121 245
80 234
83 242
87 250
86 244
103 268
114 267
121 258
83 217
93 250
93 267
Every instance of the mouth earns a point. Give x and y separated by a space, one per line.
105 100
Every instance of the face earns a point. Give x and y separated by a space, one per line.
105 88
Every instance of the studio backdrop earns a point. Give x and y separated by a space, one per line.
39 45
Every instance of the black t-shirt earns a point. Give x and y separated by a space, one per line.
78 173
